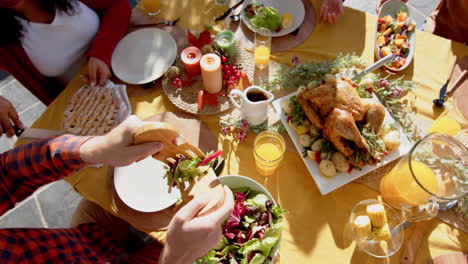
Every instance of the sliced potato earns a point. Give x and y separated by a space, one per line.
385 51
392 140
311 154
300 89
327 168
399 42
381 40
340 161
305 140
317 145
285 104
388 19
329 78
313 131
292 124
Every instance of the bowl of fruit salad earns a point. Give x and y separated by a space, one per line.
395 34
252 233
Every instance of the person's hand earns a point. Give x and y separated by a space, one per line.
98 72
116 148
331 10
8 115
381 2
190 237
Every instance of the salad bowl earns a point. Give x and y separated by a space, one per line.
255 194
392 8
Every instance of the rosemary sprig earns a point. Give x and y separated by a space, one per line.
297 114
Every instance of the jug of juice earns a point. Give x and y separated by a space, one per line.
432 174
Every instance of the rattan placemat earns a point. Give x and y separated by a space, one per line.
185 98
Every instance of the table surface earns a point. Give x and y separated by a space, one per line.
315 228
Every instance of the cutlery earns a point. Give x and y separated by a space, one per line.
228 11
37 133
235 18
440 102
443 90
165 23
375 66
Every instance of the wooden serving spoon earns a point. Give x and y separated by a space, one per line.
175 144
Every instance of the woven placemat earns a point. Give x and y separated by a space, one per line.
278 44
185 98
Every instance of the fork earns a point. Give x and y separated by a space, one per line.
169 23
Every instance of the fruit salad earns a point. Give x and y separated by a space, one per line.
393 34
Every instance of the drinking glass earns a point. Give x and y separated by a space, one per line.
269 148
220 2
262 48
152 7
451 122
379 249
432 174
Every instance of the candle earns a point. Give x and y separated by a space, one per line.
226 42
211 73
191 59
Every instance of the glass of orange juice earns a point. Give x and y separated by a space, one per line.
152 7
432 174
451 122
262 48
269 148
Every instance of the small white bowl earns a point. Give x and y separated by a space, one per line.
235 182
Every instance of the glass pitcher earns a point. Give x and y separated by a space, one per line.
432 174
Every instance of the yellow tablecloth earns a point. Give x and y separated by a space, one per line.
315 226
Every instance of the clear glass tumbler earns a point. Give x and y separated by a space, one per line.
262 48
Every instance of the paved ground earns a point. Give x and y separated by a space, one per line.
52 205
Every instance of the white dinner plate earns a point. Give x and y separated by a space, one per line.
144 55
294 7
143 186
327 185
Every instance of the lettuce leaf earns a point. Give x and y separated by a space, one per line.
267 17
258 200
257 259
209 258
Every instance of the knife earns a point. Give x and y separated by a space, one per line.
443 89
375 66
228 11
37 133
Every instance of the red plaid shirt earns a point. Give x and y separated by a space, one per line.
22 171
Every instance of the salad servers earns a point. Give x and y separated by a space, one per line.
375 66
443 96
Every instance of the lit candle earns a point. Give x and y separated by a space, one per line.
211 73
191 59
226 42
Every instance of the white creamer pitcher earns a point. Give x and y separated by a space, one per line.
254 103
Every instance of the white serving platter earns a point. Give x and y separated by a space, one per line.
327 185
144 55
294 7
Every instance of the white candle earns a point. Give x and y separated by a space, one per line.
211 73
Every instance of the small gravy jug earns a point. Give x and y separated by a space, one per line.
254 103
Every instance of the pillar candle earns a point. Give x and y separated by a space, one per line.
191 59
211 73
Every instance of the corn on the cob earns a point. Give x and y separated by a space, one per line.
376 213
362 226
382 233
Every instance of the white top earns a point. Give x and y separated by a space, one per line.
57 49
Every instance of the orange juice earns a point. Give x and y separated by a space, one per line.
151 6
445 124
262 56
400 187
268 151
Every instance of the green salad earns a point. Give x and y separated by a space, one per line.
263 16
251 232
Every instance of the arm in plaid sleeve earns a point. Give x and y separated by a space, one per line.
28 167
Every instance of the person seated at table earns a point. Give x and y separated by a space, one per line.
331 10
96 236
448 20
44 43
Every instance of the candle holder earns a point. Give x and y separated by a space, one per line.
225 41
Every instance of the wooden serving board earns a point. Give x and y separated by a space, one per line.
200 135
